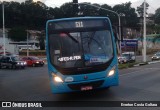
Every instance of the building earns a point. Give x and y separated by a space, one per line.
10 48
15 47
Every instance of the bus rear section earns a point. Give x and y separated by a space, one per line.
81 54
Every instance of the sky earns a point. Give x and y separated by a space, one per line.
154 4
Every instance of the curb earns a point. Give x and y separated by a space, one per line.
151 62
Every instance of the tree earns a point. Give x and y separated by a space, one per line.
29 1
140 9
18 34
157 16
56 13
127 13
32 15
12 13
41 38
105 12
67 10
88 10
157 37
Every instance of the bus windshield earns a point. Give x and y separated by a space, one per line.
79 49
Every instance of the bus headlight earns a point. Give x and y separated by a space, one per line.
57 78
112 71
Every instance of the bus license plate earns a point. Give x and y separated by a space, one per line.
85 88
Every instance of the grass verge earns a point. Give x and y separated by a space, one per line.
126 65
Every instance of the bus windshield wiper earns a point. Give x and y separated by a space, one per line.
75 40
91 37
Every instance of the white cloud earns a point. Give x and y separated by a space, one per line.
57 3
154 4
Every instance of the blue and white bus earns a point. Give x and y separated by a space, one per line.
81 54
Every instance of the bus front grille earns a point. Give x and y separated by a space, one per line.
94 84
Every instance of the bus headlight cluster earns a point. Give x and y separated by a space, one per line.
112 71
56 78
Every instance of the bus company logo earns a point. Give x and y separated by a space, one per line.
85 77
6 104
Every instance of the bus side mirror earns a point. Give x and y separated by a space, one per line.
115 32
121 34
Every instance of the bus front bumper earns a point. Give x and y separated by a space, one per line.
63 87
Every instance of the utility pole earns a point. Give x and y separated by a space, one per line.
4 45
144 32
75 7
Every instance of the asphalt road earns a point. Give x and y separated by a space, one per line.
32 84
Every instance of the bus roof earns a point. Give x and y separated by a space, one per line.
77 18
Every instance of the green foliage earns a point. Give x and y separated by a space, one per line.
106 13
88 10
126 65
67 10
156 38
127 13
157 16
140 9
18 34
33 15
157 29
